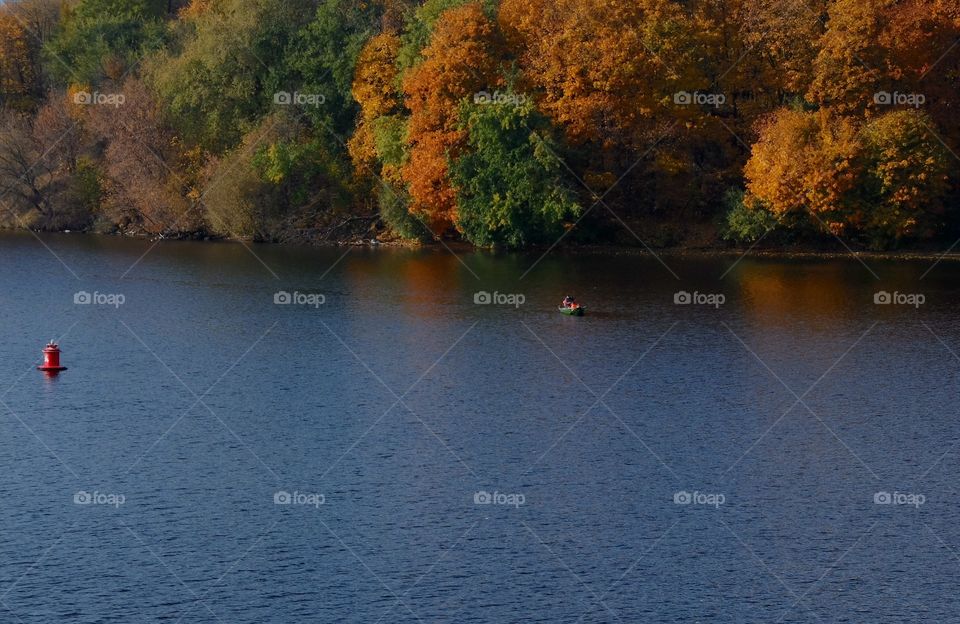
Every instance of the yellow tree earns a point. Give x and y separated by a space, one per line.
373 89
884 180
851 63
804 163
18 70
906 178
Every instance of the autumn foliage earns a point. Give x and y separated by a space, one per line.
803 161
19 73
495 121
603 67
375 92
459 62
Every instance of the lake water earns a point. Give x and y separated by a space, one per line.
400 453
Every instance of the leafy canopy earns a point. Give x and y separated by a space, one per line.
101 39
511 186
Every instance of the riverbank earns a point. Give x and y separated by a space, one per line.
949 251
793 252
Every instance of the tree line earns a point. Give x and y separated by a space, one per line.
510 122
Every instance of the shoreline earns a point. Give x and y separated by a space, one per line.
797 253
811 251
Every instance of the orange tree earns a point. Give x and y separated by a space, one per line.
883 181
461 60
873 50
603 68
609 73
804 164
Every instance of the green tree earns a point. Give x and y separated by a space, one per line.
100 39
230 69
905 178
276 183
323 59
742 224
511 187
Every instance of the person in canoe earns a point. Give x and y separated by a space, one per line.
569 302
570 307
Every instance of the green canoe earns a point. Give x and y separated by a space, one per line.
572 311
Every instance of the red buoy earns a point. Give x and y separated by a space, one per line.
51 359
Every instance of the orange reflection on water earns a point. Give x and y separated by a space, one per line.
420 281
775 294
